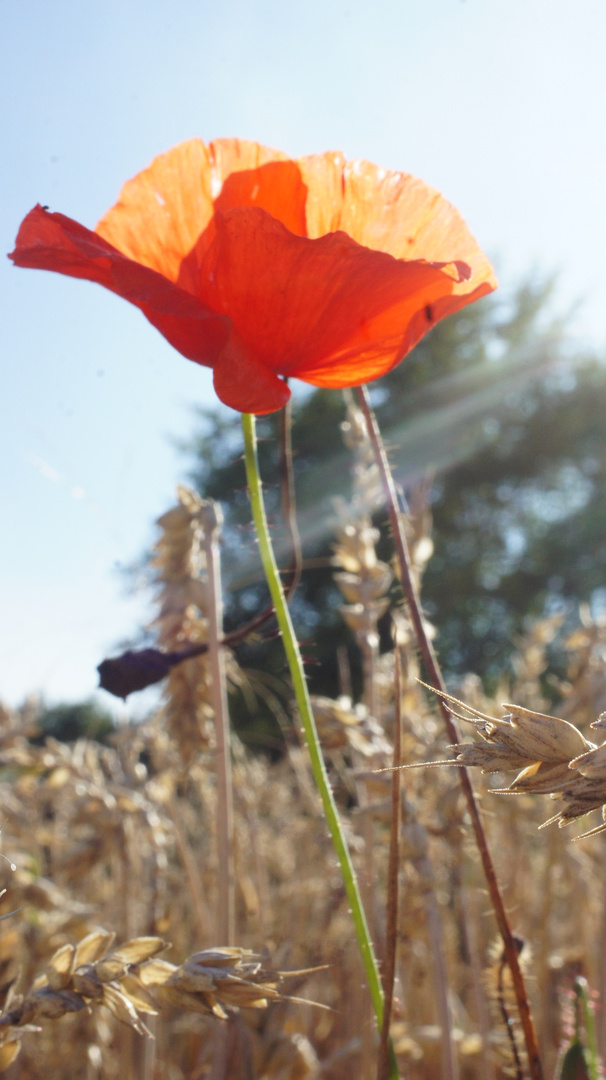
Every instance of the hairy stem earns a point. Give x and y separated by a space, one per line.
309 726
435 675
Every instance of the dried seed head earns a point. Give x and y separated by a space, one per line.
93 946
8 1052
84 975
122 1008
180 565
342 724
60 967
522 739
542 778
213 980
580 796
541 737
86 981
592 764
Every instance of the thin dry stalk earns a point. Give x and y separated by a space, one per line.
191 871
471 919
391 935
416 841
287 499
431 663
364 580
450 1069
147 1053
211 518
601 982
546 882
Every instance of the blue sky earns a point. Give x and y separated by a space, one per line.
501 104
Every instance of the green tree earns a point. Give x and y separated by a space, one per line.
507 417
69 721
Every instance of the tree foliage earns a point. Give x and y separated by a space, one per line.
506 416
69 721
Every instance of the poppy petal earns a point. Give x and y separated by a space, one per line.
54 242
275 186
261 266
161 212
245 384
323 175
238 155
388 211
327 311
164 216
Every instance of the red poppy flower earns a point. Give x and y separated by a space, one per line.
260 266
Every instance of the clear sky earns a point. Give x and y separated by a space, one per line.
501 104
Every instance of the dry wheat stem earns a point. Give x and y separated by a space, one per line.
431 663
391 935
212 519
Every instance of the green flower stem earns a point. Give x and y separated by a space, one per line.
309 725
